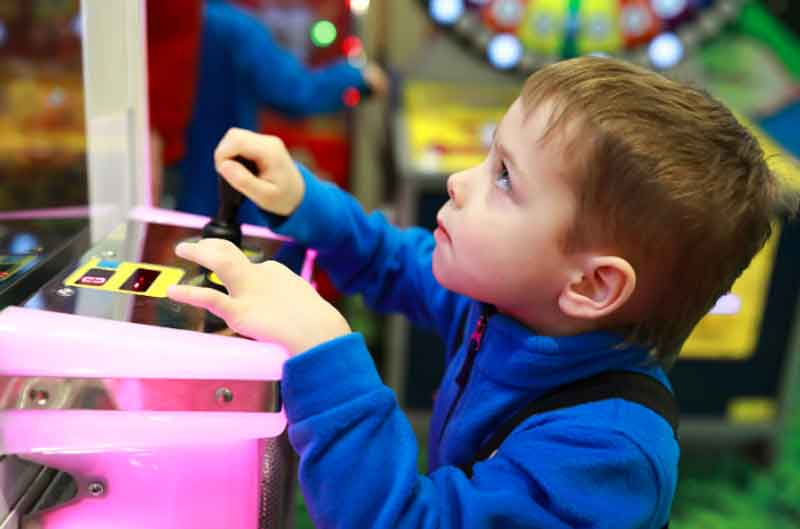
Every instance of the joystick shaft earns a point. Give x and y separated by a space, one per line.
226 225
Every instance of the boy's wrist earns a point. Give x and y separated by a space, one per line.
333 326
316 221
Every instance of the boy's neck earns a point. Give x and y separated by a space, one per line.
546 323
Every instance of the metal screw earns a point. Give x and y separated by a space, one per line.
96 488
66 292
224 395
39 396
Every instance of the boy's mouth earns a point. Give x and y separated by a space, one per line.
441 231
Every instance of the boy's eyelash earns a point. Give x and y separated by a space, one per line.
502 175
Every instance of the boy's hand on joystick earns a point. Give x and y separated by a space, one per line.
273 181
257 166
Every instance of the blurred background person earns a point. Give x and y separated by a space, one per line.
240 69
173 45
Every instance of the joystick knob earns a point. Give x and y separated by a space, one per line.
226 225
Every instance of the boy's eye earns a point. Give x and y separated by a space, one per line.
502 179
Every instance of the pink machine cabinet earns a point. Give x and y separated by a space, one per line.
164 419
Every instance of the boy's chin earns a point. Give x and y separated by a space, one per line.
437 273
447 280
440 275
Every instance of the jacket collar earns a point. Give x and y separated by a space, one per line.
511 354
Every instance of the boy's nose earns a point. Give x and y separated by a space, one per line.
455 189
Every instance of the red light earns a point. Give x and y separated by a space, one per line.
140 280
351 97
352 46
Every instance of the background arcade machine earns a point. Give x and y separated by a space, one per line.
735 370
155 415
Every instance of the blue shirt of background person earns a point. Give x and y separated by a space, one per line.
242 69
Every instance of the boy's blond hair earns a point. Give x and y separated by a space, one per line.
666 176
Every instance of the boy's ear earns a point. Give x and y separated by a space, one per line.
601 286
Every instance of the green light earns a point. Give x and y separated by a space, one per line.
323 33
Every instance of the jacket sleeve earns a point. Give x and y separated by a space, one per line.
284 83
389 266
358 458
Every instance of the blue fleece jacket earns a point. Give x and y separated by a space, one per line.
607 464
242 70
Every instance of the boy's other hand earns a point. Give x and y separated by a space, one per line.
278 187
266 301
376 79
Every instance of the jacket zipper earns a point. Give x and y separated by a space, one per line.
462 377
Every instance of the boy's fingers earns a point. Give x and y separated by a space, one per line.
239 142
217 255
245 182
263 149
207 298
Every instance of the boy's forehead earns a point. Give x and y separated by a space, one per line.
533 124
533 118
514 113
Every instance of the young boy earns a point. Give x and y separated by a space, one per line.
614 208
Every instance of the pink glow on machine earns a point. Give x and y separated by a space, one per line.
160 425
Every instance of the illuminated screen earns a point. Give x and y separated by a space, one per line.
140 280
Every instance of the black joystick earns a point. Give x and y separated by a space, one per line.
226 224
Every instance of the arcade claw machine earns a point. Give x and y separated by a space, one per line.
118 407
733 377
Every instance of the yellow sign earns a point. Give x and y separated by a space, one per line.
731 330
751 410
142 279
449 128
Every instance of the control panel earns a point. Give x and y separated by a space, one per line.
142 279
